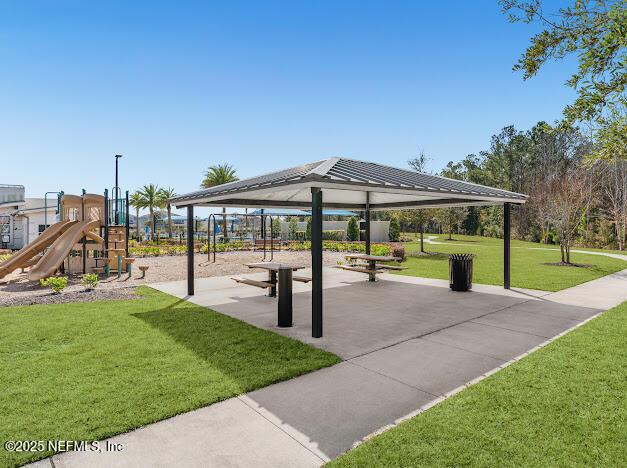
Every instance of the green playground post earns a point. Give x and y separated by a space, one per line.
129 269
119 266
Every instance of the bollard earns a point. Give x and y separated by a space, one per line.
119 266
285 297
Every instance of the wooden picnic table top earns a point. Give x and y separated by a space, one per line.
375 258
274 266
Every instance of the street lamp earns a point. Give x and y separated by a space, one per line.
117 190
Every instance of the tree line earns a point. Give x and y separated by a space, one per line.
574 197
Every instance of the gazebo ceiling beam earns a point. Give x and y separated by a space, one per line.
427 203
244 202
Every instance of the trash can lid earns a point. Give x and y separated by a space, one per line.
461 256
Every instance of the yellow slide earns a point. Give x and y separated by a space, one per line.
54 256
26 256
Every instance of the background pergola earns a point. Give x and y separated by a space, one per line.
342 183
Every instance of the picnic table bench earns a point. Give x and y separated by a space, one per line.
368 264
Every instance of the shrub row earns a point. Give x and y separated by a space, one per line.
225 247
155 251
360 247
398 250
333 235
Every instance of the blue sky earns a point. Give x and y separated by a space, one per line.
177 86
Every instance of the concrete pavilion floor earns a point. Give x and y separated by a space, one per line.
406 342
361 317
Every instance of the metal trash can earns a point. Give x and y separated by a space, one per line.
460 271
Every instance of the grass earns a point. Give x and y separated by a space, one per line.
529 268
564 405
86 371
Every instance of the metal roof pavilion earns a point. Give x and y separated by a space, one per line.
341 183
345 183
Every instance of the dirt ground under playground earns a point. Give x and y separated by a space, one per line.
15 289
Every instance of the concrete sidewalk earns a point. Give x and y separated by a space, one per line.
313 418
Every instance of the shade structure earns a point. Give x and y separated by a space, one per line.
348 184
345 183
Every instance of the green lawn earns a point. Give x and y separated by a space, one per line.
564 405
529 267
86 371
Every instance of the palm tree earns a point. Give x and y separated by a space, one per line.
218 175
135 201
164 196
149 196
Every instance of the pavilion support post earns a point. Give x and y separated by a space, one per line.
367 220
506 244
190 250
316 262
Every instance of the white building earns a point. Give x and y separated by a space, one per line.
23 219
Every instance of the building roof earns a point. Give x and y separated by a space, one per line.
345 183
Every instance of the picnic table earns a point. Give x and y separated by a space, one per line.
272 268
368 264
285 277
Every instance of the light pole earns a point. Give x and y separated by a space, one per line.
117 190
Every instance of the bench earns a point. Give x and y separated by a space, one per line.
302 279
383 266
251 282
360 269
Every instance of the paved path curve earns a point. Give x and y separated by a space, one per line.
588 252
430 240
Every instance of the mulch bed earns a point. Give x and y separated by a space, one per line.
46 297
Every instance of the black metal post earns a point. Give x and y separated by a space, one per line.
209 237
117 189
84 237
271 240
367 219
214 238
285 297
106 225
272 281
263 234
506 244
246 222
316 262
127 222
190 250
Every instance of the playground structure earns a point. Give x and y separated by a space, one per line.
90 237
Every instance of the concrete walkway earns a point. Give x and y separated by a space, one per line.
416 354
587 252
430 240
